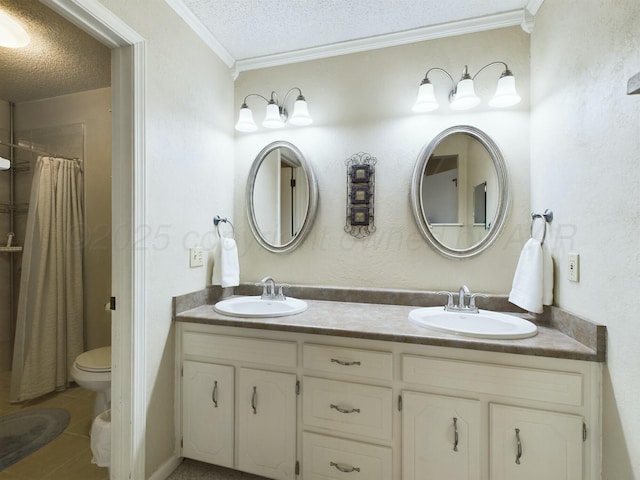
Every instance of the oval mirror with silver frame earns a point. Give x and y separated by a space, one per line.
460 192
281 197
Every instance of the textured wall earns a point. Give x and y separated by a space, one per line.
362 102
585 166
189 171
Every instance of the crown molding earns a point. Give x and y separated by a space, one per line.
205 35
521 17
501 20
533 6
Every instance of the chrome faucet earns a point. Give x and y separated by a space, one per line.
462 293
268 288
462 306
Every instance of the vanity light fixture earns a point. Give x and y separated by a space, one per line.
276 115
12 34
462 96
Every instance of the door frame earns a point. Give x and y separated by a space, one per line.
128 87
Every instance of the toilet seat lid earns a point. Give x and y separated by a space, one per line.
97 360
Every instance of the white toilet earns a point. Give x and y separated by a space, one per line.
92 370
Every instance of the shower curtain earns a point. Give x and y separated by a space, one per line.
49 329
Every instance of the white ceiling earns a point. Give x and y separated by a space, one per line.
251 30
246 34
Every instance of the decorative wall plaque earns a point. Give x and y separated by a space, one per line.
360 194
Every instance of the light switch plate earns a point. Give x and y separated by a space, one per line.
574 267
196 257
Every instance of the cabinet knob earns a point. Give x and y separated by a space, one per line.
214 394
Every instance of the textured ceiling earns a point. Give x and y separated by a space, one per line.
255 28
60 59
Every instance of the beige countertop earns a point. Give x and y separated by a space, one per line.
390 323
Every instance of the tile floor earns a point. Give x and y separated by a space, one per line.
68 457
193 470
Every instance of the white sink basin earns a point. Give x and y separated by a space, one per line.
486 324
257 307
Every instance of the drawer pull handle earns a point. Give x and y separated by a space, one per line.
254 397
342 410
519 454
455 434
344 469
345 364
214 394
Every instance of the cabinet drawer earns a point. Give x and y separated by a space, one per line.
524 383
229 348
351 361
327 458
347 407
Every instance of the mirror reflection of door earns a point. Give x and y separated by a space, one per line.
440 189
280 196
293 196
459 191
480 205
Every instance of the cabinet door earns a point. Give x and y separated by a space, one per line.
531 444
207 412
440 437
267 423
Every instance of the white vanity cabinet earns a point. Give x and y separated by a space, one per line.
347 393
527 420
529 444
383 410
238 401
441 437
267 423
208 392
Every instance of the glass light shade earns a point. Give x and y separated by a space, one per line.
12 35
4 164
272 118
465 97
300 114
426 100
506 94
245 120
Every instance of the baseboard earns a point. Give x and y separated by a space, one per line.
167 468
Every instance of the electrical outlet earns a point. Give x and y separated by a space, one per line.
196 257
574 267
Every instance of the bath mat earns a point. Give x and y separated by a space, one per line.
23 433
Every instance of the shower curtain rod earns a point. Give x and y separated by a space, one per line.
33 150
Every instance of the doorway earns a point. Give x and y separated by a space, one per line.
128 193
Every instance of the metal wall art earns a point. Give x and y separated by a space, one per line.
360 194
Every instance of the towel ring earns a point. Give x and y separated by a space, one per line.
216 221
547 216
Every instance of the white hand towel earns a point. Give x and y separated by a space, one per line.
527 289
547 269
226 268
